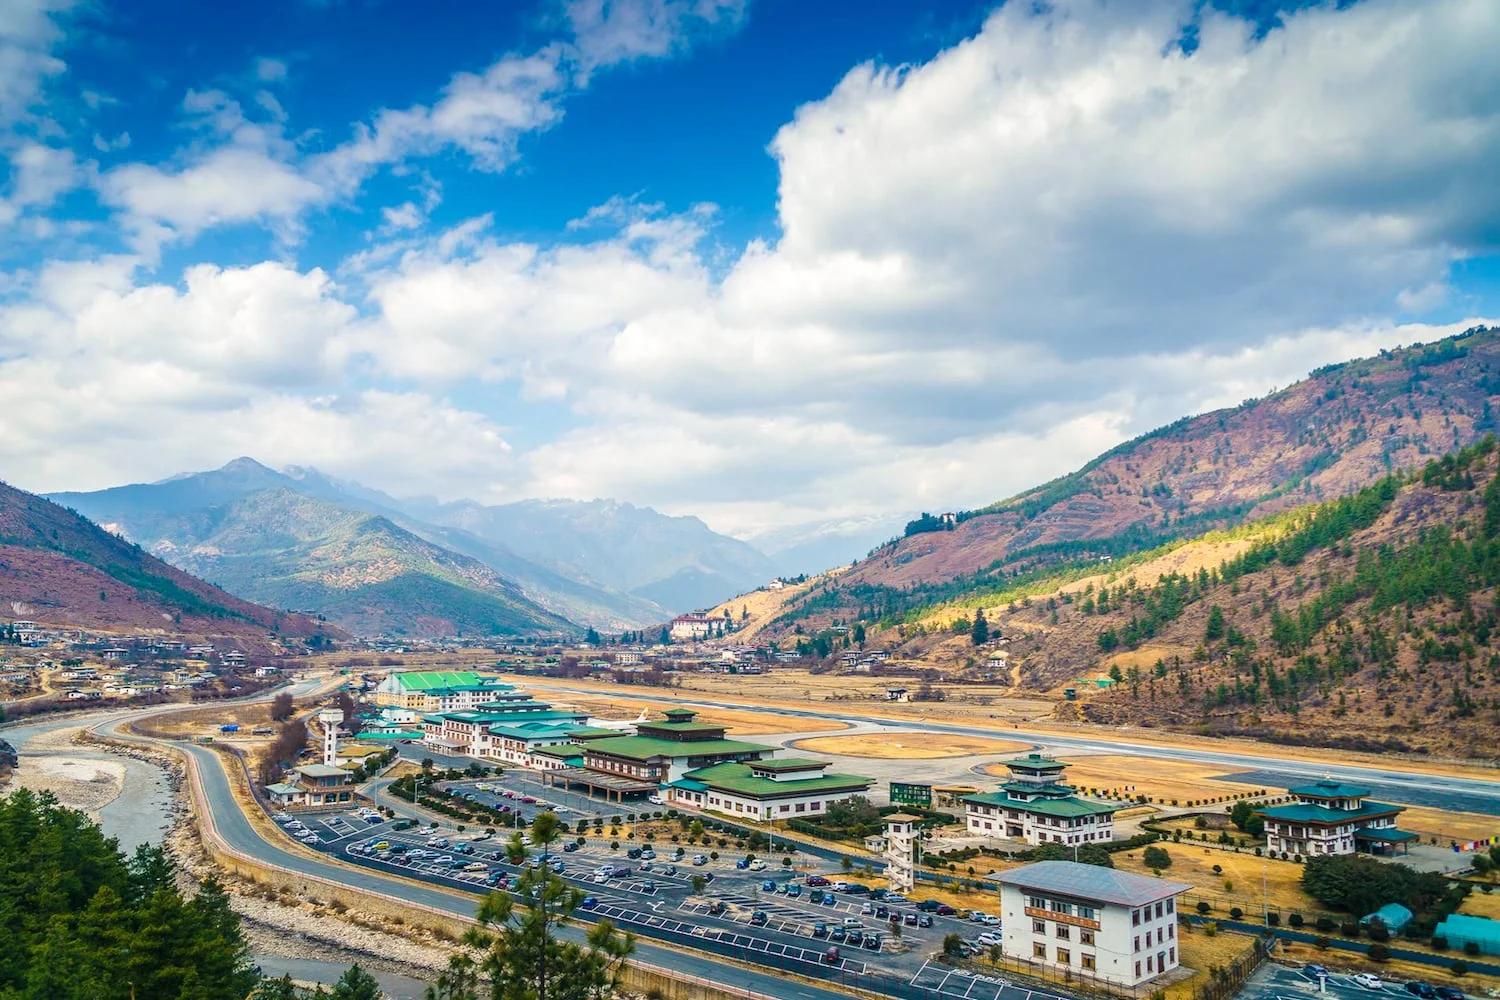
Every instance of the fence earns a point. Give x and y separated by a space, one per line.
1224 981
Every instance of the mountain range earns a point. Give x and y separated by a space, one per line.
1323 560
59 568
381 566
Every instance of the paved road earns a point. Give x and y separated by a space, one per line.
1474 794
240 835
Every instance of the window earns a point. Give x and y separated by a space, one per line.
1038 951
1036 902
1138 970
1085 937
1135 918
1060 907
1158 911
1171 905
1087 961
1172 930
1064 957
1086 912
1136 945
1172 954
1148 964
1063 933
1039 926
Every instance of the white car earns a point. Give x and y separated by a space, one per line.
600 877
655 800
1369 981
989 939
989 920
757 865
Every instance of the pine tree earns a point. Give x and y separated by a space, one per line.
980 633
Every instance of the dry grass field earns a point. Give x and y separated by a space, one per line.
1245 881
1482 904
908 746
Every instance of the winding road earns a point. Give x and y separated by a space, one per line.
241 837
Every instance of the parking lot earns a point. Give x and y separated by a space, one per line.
733 914
570 806
1281 982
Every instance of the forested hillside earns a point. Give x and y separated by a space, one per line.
59 568
1335 432
1370 621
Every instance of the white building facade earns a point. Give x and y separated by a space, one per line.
1035 806
1090 921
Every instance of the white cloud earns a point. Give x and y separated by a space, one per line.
29 33
991 266
615 31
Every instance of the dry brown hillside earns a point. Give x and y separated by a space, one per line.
1323 437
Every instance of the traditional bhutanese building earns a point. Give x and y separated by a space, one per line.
1035 805
439 690
766 789
664 750
313 786
1333 818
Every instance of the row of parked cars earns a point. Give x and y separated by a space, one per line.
298 829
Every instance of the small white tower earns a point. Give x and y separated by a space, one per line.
902 850
330 719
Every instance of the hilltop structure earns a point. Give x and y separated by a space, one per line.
1035 805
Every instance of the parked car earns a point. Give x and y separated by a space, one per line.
867 908
816 896
634 853
820 930
911 919
1420 989
872 942
831 956
855 889
589 902
856 936
757 865
851 922
758 918
1449 993
989 939
924 920
570 847
1315 970
700 860
817 880
944 910
928 905
717 907
837 934
1370 981
647 854
793 890
769 885
882 911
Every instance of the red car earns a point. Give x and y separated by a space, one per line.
816 880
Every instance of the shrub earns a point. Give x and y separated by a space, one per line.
1324 924
1471 948
1439 943
1459 967
1322 943
1379 953
1203 906
1235 913
1273 919
1295 920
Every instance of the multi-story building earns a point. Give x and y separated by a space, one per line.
690 626
438 690
1333 818
1035 805
476 732
662 751
765 790
1090 921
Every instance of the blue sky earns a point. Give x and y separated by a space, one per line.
791 267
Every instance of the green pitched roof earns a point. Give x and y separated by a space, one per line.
737 779
592 732
788 764
1306 813
644 747
1330 790
1034 762
1384 834
1066 808
426 680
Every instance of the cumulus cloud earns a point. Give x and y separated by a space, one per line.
615 31
29 36
1052 236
